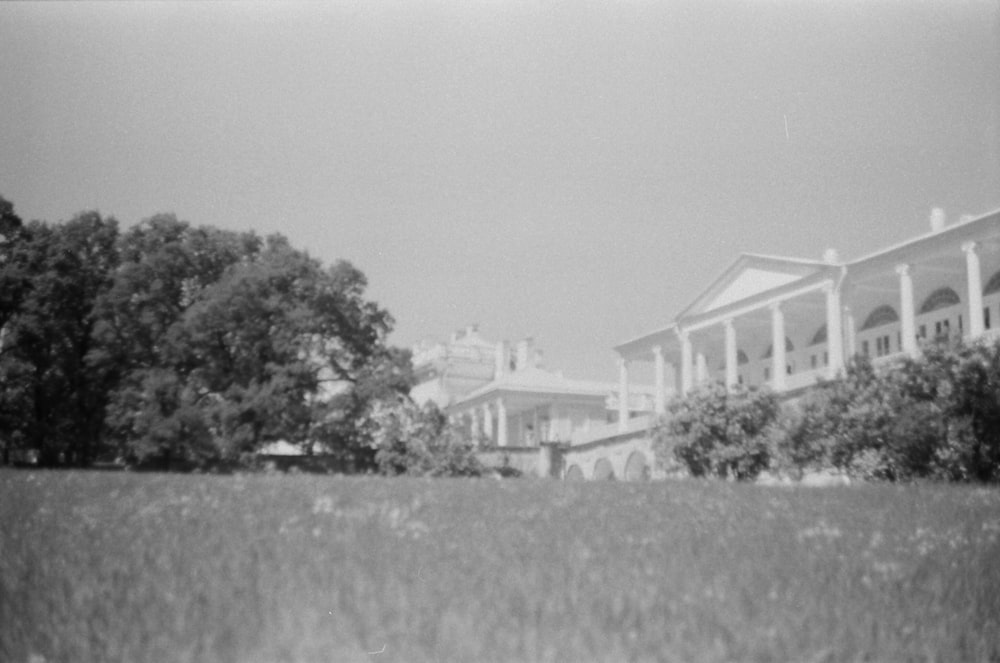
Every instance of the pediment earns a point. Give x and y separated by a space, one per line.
751 275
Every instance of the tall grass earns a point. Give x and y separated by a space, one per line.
132 568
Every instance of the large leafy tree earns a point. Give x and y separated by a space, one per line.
166 264
226 342
53 396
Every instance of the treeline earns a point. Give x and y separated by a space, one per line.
184 345
935 416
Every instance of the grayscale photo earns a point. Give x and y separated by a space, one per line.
500 331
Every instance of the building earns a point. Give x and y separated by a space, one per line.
504 397
787 322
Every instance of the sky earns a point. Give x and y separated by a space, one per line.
576 172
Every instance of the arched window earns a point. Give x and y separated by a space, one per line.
789 347
940 298
574 473
993 285
741 358
819 336
882 315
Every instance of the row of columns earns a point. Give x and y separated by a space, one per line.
694 367
481 420
838 318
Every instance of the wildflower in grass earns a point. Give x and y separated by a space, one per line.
323 504
821 530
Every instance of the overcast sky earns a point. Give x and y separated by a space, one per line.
576 172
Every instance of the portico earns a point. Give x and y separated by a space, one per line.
785 322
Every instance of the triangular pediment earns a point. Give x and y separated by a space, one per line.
751 275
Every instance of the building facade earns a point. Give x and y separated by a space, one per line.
504 397
788 322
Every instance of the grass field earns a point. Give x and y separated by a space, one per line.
162 568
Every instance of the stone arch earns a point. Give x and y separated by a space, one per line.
636 468
603 471
993 285
574 473
940 298
880 315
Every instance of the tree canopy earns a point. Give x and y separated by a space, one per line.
183 345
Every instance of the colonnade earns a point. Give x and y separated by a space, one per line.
840 325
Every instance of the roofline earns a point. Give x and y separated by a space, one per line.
951 229
742 258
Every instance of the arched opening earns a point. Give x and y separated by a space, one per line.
789 347
940 298
820 335
881 315
637 469
574 473
993 285
603 470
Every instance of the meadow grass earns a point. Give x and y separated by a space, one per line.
163 568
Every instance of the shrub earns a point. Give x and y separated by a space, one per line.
716 432
419 441
936 416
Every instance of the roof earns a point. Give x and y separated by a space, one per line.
538 380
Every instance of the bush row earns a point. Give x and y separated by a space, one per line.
936 415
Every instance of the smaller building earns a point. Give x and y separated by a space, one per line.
504 397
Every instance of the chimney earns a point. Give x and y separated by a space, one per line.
937 219
830 257
500 360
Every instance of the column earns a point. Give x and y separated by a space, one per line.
907 325
732 360
475 425
834 334
850 334
622 394
686 368
660 392
778 361
974 280
487 422
501 423
700 368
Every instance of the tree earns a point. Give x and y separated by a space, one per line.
715 431
53 396
228 342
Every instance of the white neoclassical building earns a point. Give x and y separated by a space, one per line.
504 397
785 322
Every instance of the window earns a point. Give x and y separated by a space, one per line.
986 318
826 358
923 331
767 373
959 323
864 348
812 361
